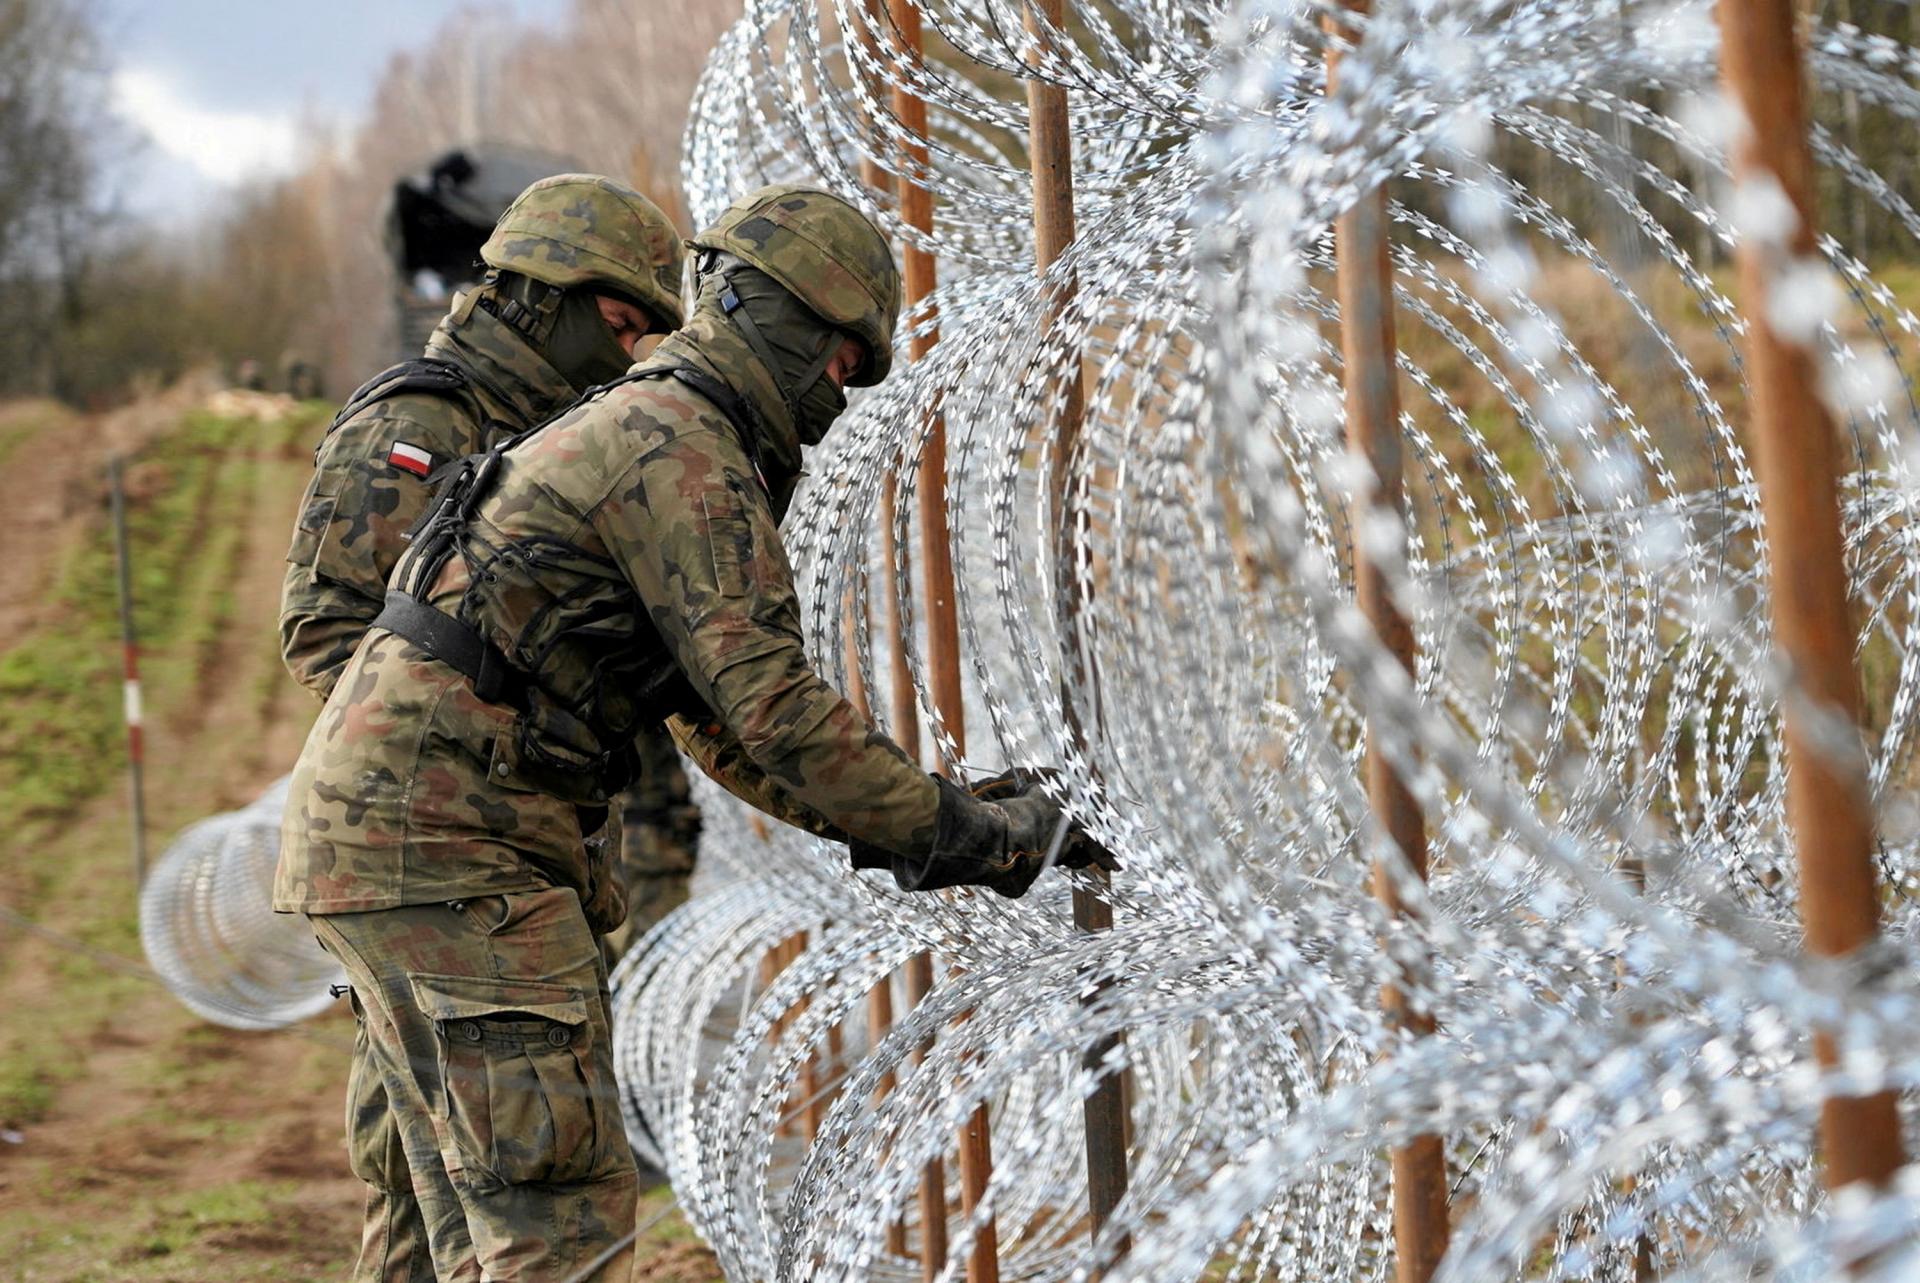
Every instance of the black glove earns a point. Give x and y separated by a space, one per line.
1032 820
994 835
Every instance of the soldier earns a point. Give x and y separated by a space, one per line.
581 268
617 568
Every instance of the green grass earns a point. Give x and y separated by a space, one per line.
21 423
149 1195
26 1086
180 1220
61 732
143 1241
60 699
83 1004
674 1229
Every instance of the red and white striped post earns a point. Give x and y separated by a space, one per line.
130 661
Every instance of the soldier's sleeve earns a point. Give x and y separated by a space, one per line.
718 753
692 523
369 483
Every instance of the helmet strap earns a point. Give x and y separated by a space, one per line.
531 316
743 321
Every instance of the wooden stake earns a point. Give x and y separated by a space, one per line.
906 732
880 997
1828 807
1368 347
933 1179
879 1024
1050 157
772 963
920 279
943 620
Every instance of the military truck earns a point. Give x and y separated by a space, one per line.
437 219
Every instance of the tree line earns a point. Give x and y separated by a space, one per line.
295 268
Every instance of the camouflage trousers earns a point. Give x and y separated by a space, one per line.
659 835
482 1110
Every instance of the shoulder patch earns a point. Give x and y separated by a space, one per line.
409 457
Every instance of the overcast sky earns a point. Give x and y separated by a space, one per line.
215 86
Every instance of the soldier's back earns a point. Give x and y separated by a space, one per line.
579 460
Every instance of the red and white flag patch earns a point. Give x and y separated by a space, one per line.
411 458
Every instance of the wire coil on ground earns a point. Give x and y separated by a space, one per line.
209 930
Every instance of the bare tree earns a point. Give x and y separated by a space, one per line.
53 119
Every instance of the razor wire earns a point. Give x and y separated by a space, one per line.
1622 1071
209 930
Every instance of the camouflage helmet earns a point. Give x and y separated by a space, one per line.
585 229
824 252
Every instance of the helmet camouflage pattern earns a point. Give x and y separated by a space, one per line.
827 253
585 229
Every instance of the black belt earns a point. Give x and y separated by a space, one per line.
495 680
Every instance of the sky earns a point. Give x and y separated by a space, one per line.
213 89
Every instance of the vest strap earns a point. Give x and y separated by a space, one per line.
495 679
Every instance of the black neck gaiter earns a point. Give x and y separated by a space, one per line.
564 326
799 344
582 346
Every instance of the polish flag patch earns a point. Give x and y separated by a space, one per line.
410 458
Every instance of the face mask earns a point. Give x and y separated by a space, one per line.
582 346
820 405
794 343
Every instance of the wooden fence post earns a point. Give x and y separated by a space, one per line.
130 669
915 205
1828 806
1050 158
1368 349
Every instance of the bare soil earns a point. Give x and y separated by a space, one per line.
136 1142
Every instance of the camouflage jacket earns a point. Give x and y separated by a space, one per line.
366 490
635 521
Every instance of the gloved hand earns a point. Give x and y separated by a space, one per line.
1033 820
995 834
605 903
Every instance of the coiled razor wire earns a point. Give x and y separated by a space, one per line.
209 930
1609 943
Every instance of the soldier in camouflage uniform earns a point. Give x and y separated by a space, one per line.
619 568
582 266
513 352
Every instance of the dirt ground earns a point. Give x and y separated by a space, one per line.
137 1142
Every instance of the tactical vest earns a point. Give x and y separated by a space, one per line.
582 689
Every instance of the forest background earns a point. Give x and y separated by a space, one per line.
102 306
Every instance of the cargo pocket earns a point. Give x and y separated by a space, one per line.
541 758
729 540
310 531
374 1151
523 1102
